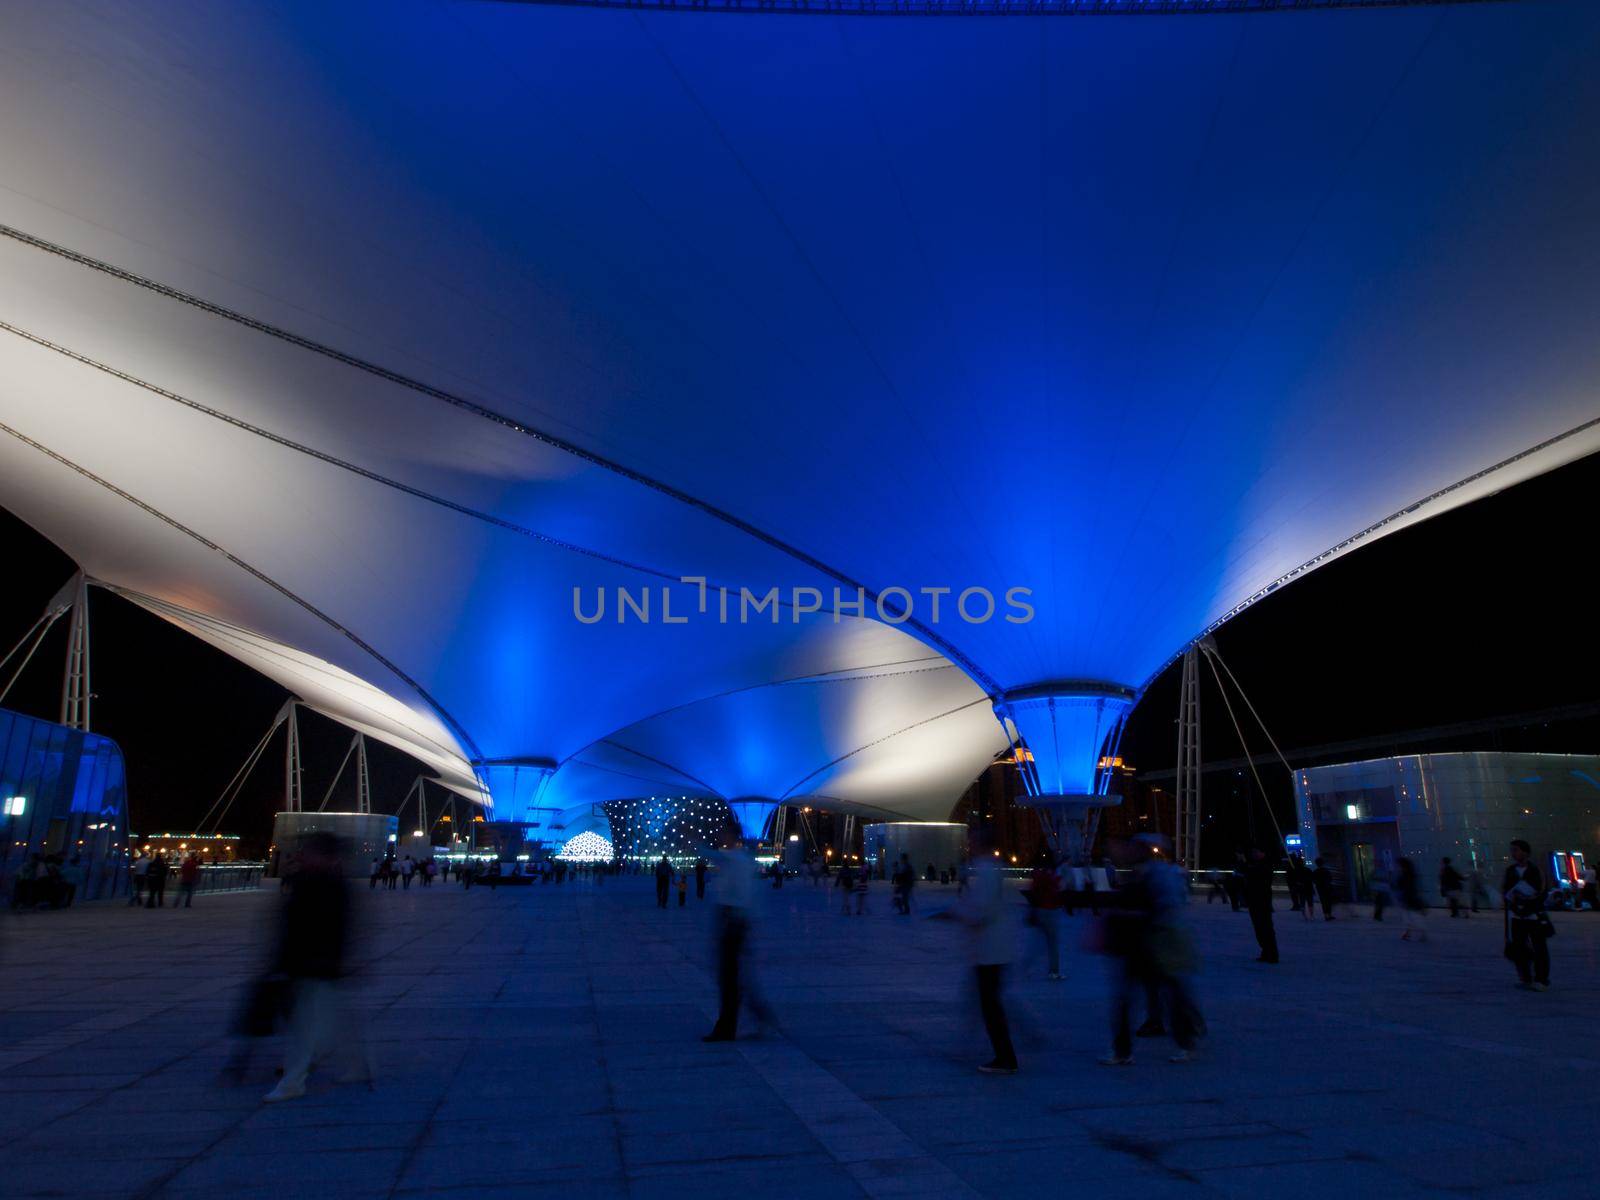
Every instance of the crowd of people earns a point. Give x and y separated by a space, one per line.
48 881
150 873
1143 930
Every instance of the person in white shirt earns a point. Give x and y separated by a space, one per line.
1527 923
986 911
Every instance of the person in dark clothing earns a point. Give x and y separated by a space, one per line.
1408 894
1258 899
1235 884
700 878
1450 883
156 885
1146 932
663 881
1304 887
1322 880
1527 923
314 936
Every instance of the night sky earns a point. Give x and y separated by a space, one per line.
1486 611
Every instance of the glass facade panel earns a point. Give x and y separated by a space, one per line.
65 794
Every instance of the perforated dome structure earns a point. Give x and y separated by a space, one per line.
358 338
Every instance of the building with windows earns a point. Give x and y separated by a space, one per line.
62 791
1363 816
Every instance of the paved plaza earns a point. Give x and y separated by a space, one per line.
547 1041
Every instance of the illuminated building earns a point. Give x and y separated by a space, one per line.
681 827
587 847
208 847
62 791
1362 816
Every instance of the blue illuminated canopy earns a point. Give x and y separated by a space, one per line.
376 344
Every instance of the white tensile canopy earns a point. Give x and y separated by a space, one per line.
355 338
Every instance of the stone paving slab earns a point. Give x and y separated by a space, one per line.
545 1041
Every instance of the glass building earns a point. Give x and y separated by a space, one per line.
63 791
1363 816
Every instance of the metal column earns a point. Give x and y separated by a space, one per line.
75 693
1188 815
363 780
292 780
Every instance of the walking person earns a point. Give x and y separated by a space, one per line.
1528 928
1147 934
900 880
1292 878
188 878
377 873
700 878
1477 890
1408 895
73 875
141 880
1451 882
683 888
1258 899
313 939
987 916
1322 880
663 881
846 883
156 884
1044 913
1305 887
1382 893
735 898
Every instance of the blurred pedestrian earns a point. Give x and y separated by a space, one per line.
313 941
663 881
73 875
1450 885
735 895
846 883
1258 899
1292 879
987 916
1146 932
141 879
1528 927
700 878
156 882
1322 880
1044 912
1408 895
188 879
1305 886
1382 893
905 879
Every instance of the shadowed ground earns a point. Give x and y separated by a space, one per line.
546 1041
